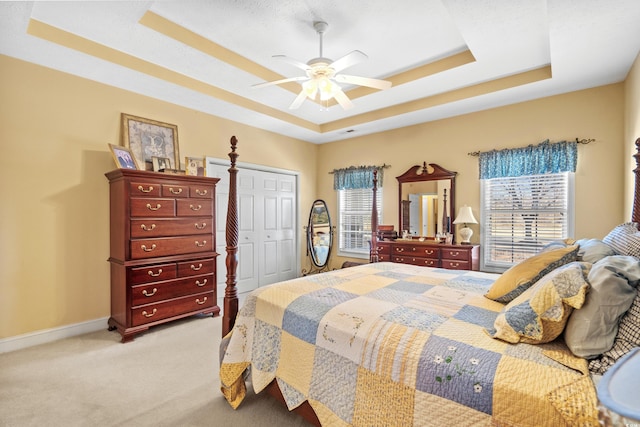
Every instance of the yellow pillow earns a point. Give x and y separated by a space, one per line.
520 277
540 314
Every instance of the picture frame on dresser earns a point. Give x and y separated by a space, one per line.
194 166
147 138
161 163
123 157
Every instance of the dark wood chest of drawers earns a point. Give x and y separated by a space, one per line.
162 249
430 254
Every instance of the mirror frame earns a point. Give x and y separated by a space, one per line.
419 173
311 233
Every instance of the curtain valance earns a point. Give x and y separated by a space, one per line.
538 159
357 177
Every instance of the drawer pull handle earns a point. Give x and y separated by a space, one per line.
198 244
194 268
148 190
145 228
454 253
200 226
201 302
454 264
144 248
151 208
195 208
146 294
429 252
399 249
174 191
201 284
145 314
200 192
413 249
152 274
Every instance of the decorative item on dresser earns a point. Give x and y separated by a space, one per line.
163 259
465 216
429 253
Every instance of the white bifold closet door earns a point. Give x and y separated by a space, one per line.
267 223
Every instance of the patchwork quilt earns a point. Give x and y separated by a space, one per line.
390 344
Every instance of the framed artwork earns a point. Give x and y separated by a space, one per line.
161 163
148 138
123 157
194 166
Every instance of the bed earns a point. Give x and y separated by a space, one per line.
395 344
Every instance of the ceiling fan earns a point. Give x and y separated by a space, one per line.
323 76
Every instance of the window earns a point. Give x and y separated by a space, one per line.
354 221
522 214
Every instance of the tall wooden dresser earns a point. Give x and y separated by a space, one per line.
430 254
163 259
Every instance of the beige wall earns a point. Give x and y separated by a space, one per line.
54 224
631 131
595 113
55 128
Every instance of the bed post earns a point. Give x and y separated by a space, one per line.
373 250
231 292
635 213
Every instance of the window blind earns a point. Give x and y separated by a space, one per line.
354 222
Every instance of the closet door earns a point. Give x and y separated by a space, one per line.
267 224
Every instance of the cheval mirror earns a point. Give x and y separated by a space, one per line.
319 237
426 200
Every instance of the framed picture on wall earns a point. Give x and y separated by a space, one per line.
194 166
123 157
148 138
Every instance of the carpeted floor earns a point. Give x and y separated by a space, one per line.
167 376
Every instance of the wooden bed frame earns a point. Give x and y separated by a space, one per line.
230 306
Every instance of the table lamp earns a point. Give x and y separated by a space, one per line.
465 216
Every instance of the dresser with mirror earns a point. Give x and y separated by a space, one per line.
426 212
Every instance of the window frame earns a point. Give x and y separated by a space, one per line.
364 252
486 264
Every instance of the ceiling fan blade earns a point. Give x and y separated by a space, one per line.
277 82
293 62
342 99
298 101
348 60
363 81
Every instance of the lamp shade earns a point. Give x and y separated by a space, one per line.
465 216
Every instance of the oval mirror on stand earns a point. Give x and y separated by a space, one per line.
319 237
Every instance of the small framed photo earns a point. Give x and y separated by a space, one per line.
147 138
123 157
194 166
161 163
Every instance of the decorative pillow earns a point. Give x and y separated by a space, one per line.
624 239
540 314
520 277
628 337
557 244
593 250
591 330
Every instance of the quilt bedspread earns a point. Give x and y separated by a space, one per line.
390 344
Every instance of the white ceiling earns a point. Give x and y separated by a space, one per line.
163 49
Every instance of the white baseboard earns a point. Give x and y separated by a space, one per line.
47 335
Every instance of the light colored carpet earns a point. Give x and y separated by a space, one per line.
167 376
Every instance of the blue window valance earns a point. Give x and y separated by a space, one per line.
356 177
538 159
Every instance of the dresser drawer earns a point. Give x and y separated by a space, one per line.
166 227
201 191
384 257
158 291
408 259
193 268
153 207
456 254
456 265
384 249
164 246
152 273
194 207
148 189
417 250
179 306
175 190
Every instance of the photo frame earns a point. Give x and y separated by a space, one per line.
161 163
194 166
148 138
123 157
